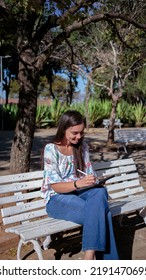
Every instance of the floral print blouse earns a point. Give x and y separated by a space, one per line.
59 167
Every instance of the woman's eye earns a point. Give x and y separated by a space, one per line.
75 133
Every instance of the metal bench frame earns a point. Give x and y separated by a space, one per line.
117 123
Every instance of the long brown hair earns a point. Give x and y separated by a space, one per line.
68 119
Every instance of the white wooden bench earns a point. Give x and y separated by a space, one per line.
126 136
23 210
117 123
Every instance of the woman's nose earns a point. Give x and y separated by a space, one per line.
79 136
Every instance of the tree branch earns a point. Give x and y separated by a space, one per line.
83 22
88 76
54 21
126 18
103 16
119 36
71 11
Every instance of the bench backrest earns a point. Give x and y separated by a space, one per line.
20 197
21 201
131 135
126 181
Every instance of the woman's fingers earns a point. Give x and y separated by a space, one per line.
90 179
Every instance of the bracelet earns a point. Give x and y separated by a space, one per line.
75 185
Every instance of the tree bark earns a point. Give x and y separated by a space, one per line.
86 104
112 121
23 137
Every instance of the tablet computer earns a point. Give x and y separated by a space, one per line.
99 182
103 179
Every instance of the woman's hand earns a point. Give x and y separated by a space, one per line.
87 180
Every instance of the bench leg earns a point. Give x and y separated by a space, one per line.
142 213
124 147
46 242
121 220
36 247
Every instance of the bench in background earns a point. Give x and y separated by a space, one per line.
126 136
107 121
23 210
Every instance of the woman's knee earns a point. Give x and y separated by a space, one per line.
67 207
101 198
97 194
101 192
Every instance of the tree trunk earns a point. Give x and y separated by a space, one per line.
7 89
71 88
23 137
86 104
112 121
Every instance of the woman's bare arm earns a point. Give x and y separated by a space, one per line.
65 187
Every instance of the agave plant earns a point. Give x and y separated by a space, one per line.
139 115
11 109
124 110
56 109
9 112
95 111
80 107
106 108
42 116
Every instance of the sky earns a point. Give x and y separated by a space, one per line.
81 85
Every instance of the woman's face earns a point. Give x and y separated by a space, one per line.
74 133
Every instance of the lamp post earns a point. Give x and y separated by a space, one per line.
1 88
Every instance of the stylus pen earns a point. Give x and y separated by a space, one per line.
86 174
82 172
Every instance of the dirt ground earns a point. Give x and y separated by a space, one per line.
130 237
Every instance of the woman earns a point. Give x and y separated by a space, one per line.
65 193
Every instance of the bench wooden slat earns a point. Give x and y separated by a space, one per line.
126 192
123 185
127 205
23 207
16 187
28 225
124 177
49 222
113 163
19 197
25 216
21 177
116 170
48 229
51 229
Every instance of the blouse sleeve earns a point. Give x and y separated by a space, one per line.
51 169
